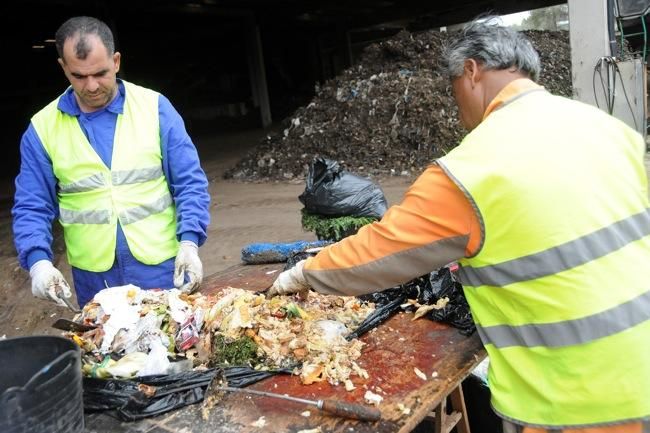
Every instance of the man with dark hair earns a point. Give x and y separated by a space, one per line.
545 205
113 162
83 26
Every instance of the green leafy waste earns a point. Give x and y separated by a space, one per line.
225 351
333 228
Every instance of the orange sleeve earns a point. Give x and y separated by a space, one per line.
434 225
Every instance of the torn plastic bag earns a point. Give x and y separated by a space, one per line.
147 396
332 191
379 316
456 312
427 289
389 301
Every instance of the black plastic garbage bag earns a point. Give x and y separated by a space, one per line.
389 301
456 312
332 191
146 396
427 289
379 316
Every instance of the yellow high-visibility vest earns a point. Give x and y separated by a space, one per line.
560 288
93 198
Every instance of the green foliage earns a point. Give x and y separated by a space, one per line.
549 18
333 228
232 352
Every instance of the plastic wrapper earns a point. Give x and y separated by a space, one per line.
128 365
146 396
157 361
188 335
332 191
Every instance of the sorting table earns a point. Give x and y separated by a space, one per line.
392 352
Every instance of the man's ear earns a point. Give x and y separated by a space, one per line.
61 62
472 70
116 59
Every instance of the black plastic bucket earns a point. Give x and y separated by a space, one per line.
40 385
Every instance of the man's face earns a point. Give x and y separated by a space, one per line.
467 92
93 79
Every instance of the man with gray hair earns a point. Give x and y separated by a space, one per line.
113 162
545 205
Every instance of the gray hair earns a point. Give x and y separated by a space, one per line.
83 26
493 46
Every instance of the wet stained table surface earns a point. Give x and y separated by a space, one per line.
392 352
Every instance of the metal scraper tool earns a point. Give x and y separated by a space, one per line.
69 325
335 407
66 301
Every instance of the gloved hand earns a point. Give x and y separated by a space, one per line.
188 262
290 281
46 279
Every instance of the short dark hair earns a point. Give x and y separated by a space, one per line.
83 26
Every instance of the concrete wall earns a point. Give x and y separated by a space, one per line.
589 42
589 38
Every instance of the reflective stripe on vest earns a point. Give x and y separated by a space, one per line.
570 332
92 198
126 217
126 177
119 178
89 183
562 257
135 214
560 289
85 216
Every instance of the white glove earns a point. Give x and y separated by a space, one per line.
188 262
290 281
47 280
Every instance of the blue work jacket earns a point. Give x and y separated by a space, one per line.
36 206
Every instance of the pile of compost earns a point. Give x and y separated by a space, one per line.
392 113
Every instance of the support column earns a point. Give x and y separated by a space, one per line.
315 60
252 75
588 34
327 71
590 41
344 46
257 71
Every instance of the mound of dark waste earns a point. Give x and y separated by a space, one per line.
390 114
